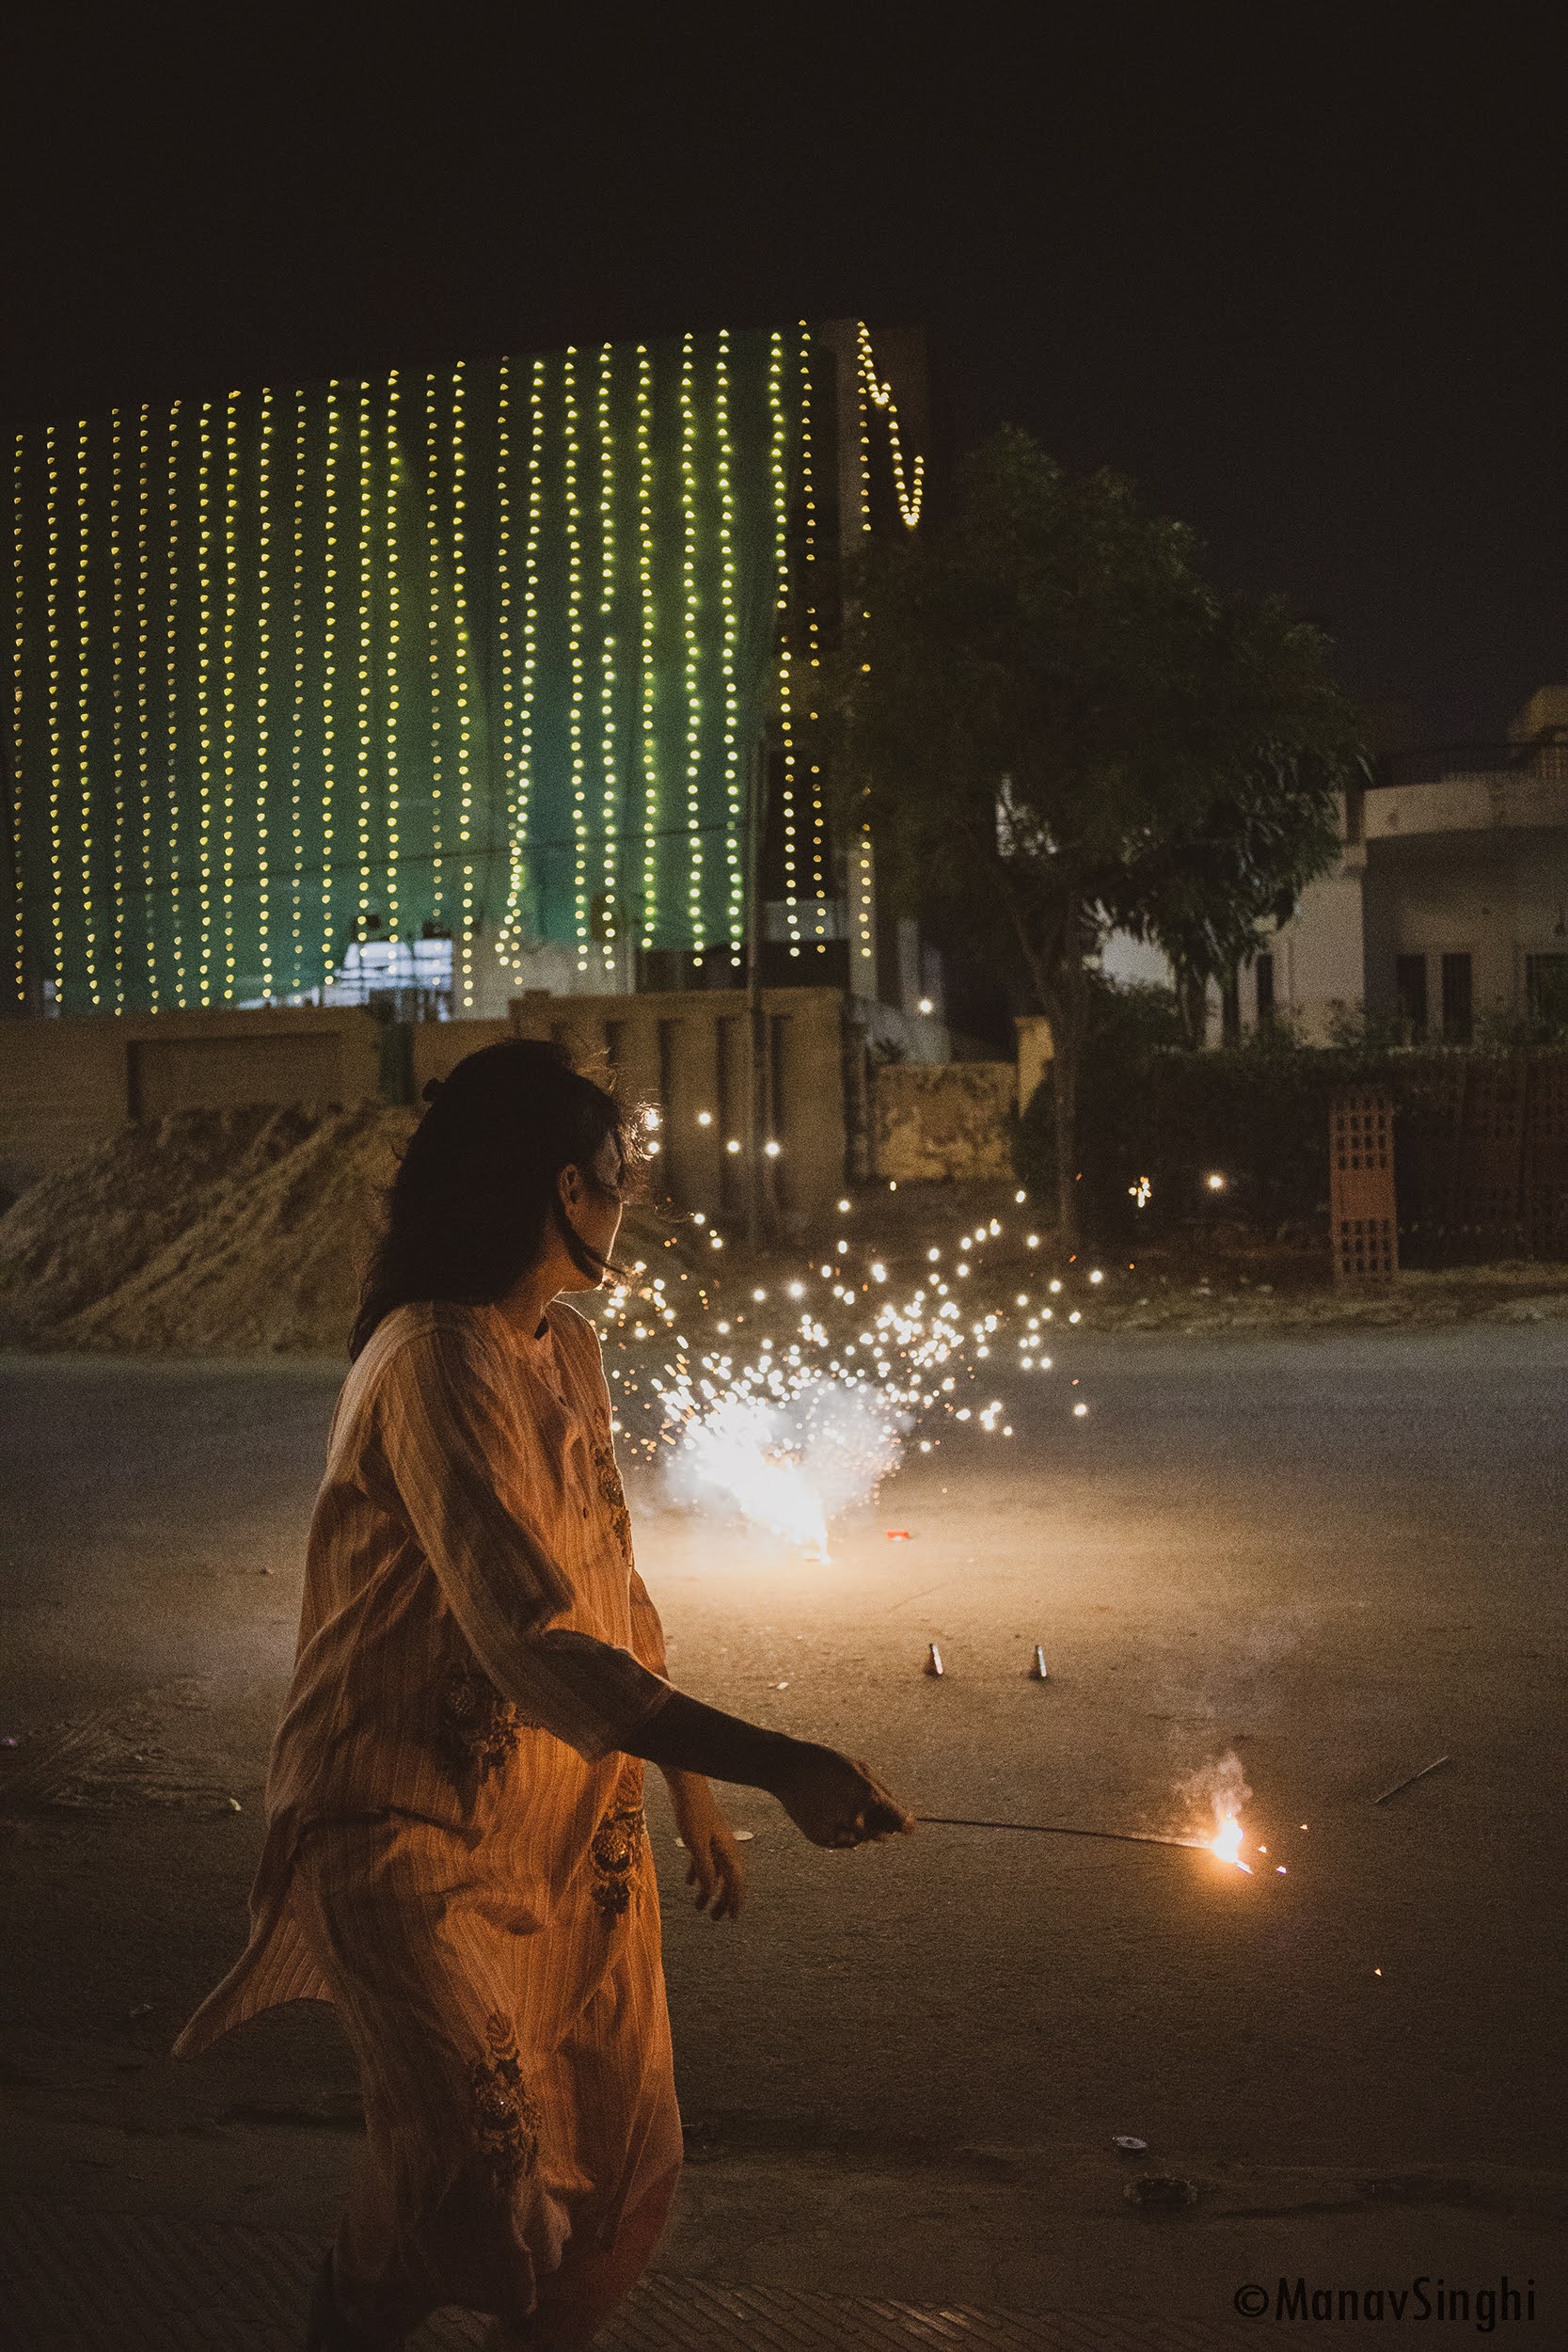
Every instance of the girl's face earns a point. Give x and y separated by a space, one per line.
592 1201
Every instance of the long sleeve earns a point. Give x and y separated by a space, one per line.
451 1439
647 1634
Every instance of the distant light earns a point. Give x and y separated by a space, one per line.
1023 1299
650 1116
925 1445
698 1217
1075 1316
1215 1182
773 1151
1097 1276
844 1208
723 1328
705 1118
652 1147
759 1296
716 1241
797 1290
1056 1282
844 1250
1021 1196
893 1184
878 1271
924 1004
732 1145
1079 1410
1034 1241
933 1255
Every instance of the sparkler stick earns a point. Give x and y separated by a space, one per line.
1410 1780
1062 1828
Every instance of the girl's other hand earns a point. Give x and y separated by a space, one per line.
714 1866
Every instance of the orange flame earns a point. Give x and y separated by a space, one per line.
1226 1845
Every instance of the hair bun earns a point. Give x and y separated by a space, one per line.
436 1086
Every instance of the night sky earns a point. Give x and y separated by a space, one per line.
1301 274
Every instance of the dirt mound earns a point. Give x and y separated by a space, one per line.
212 1234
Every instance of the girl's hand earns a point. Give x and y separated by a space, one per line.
714 1865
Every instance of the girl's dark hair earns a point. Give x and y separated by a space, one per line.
476 1191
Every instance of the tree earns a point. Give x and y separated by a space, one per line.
1052 723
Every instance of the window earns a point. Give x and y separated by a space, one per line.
1547 989
1456 1000
1264 970
1410 985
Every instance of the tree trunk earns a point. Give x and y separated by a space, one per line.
1192 996
1065 1076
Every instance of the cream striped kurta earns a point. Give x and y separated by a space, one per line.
455 1853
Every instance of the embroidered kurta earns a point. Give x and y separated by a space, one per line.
455 1853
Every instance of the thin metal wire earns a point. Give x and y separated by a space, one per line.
1060 1829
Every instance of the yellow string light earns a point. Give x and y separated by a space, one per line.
171 694
18 653
814 627
117 644
433 541
263 694
394 642
460 636
689 608
508 666
330 674
645 585
83 719
512 933
733 831
574 628
607 653
909 497
296 744
362 706
231 719
777 455
56 883
144 775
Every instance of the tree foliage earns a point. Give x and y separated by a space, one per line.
1054 723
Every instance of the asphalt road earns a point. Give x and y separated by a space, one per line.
1336 1559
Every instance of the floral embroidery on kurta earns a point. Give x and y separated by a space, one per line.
612 1495
617 1850
506 2120
479 1727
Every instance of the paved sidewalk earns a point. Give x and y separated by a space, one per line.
75 2280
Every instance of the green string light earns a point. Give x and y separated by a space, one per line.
512 933
691 607
649 690
607 654
734 811
84 720
433 542
56 883
18 653
329 676
296 744
204 746
394 648
117 647
171 694
144 775
231 722
459 635
778 454
362 681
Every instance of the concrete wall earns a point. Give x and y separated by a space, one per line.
1495 898
688 1052
933 1122
66 1084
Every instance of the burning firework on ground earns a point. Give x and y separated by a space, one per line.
789 1399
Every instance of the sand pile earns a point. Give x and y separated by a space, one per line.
212 1233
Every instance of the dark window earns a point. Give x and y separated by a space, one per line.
1546 988
1264 969
1456 1000
1410 983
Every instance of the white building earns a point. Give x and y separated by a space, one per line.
1449 902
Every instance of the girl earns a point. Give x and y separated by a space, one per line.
455 1853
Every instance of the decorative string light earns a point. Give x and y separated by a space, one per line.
394 648
117 738
735 814
171 693
689 608
649 690
511 942
814 628
460 636
329 674
503 624
573 633
909 497
19 645
362 708
607 654
264 693
778 457
433 538
297 745
203 738
144 776
56 883
230 725
83 719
